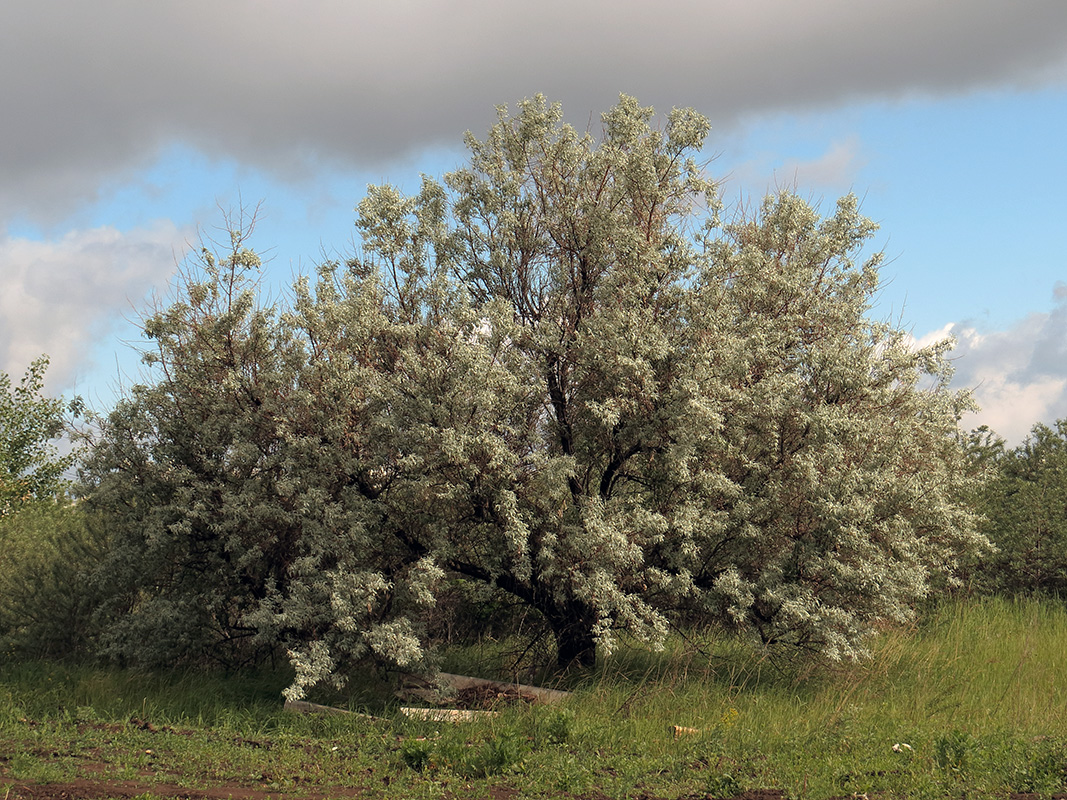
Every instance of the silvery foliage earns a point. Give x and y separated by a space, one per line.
560 373
184 470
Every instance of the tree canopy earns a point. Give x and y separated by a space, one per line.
559 372
31 467
1024 508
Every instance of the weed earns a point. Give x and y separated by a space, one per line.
722 784
951 751
500 753
557 726
417 753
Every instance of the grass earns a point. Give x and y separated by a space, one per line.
973 698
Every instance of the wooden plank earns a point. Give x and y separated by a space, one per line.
302 707
445 714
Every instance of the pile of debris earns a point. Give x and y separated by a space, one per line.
455 698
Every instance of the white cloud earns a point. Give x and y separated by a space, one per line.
1011 408
60 297
1019 375
835 169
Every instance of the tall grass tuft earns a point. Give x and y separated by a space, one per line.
992 665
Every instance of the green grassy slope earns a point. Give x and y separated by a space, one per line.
973 699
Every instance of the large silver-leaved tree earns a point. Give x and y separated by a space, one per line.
558 373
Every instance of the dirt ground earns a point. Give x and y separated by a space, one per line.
89 789
101 790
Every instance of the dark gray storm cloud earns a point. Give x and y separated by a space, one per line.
95 89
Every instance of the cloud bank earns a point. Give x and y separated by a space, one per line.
104 86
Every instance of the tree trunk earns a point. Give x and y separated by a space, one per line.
575 645
571 620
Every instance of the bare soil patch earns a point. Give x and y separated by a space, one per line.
88 789
98 790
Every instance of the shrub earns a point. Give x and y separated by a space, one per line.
48 599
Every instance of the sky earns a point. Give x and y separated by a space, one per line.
129 129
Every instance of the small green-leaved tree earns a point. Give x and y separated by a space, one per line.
31 466
559 373
45 603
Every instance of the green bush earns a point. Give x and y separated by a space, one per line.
499 750
47 596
